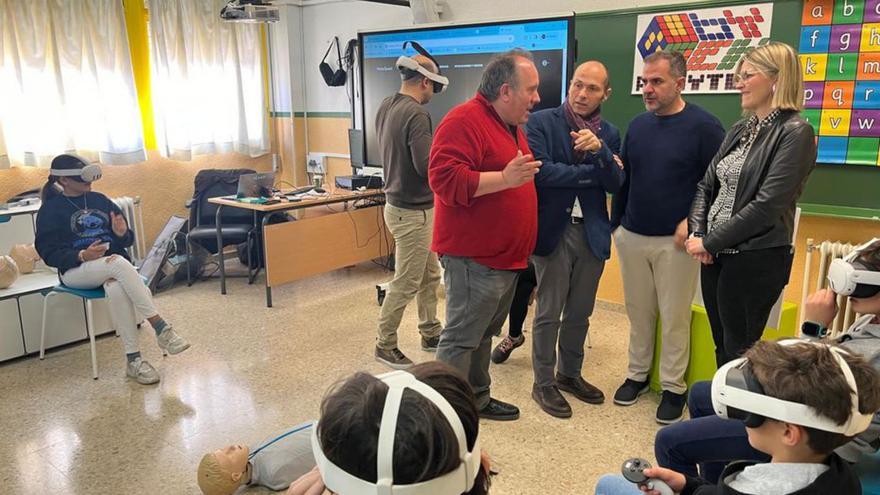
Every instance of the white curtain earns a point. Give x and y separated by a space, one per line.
208 93
66 83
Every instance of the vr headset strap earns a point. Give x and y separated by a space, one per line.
422 51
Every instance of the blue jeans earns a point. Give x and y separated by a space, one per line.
705 440
615 484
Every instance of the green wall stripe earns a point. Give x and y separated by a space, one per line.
325 115
839 211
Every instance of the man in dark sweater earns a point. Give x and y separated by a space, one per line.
665 153
404 129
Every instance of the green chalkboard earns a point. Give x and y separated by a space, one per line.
839 190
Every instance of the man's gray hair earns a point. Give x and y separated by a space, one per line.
501 70
677 64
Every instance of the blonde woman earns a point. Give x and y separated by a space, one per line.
742 217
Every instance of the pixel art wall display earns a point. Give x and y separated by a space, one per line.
840 59
711 40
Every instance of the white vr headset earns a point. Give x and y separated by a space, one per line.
737 394
89 173
456 482
406 63
850 277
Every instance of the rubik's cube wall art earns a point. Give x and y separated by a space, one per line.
840 60
711 40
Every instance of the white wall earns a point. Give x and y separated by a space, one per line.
324 19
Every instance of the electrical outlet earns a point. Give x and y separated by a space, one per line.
316 163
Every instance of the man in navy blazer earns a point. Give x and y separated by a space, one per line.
578 151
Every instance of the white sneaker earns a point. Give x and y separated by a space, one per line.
142 371
170 342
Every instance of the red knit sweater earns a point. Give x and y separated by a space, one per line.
499 229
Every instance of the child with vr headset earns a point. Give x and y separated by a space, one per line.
799 401
711 442
83 235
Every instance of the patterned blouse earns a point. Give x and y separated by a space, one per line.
728 169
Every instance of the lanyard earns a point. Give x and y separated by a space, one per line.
280 437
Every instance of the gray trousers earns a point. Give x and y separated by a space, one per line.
567 282
477 302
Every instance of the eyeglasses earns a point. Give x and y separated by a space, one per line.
744 76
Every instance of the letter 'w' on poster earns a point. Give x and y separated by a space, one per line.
840 61
712 41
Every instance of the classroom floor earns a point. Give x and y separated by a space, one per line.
254 370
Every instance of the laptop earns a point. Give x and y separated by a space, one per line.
256 185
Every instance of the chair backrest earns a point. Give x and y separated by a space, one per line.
211 184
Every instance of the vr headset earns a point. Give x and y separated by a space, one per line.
331 77
89 173
405 63
455 482
737 394
851 277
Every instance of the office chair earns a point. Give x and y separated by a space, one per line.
237 225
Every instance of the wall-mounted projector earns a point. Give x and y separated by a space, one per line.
249 11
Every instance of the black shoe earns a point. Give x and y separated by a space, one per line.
671 407
393 358
499 411
628 393
581 389
551 401
503 350
430 344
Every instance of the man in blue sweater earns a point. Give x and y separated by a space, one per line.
578 151
665 154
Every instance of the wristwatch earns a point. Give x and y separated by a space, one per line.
814 330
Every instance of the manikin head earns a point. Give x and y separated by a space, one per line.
664 75
417 85
221 472
510 83
590 87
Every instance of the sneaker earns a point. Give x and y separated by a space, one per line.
393 358
580 388
430 344
170 342
551 401
499 411
503 350
671 408
628 393
142 371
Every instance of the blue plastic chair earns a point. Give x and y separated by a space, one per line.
87 295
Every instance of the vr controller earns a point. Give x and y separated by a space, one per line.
633 470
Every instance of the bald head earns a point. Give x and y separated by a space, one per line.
590 86
413 77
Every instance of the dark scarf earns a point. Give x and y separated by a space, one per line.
593 122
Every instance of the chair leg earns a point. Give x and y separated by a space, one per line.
251 276
188 258
91 332
43 329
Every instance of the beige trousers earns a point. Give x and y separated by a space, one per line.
416 275
657 277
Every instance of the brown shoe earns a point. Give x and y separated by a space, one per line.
551 401
580 388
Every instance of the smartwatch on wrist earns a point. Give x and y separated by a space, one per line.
814 330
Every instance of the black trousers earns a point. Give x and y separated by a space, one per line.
739 290
526 282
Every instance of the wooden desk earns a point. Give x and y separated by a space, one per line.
317 243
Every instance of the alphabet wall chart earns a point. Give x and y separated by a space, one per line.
840 59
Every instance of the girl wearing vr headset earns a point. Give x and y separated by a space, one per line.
83 234
421 423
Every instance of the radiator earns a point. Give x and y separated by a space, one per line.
826 251
131 209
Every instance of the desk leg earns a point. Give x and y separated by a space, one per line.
265 222
220 250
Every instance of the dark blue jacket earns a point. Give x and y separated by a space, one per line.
558 181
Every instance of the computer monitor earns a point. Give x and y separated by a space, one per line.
256 185
356 148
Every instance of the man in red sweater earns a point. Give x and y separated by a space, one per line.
486 218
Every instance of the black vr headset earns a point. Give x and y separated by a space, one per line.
405 63
331 77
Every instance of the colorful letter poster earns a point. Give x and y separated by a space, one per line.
711 40
840 59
